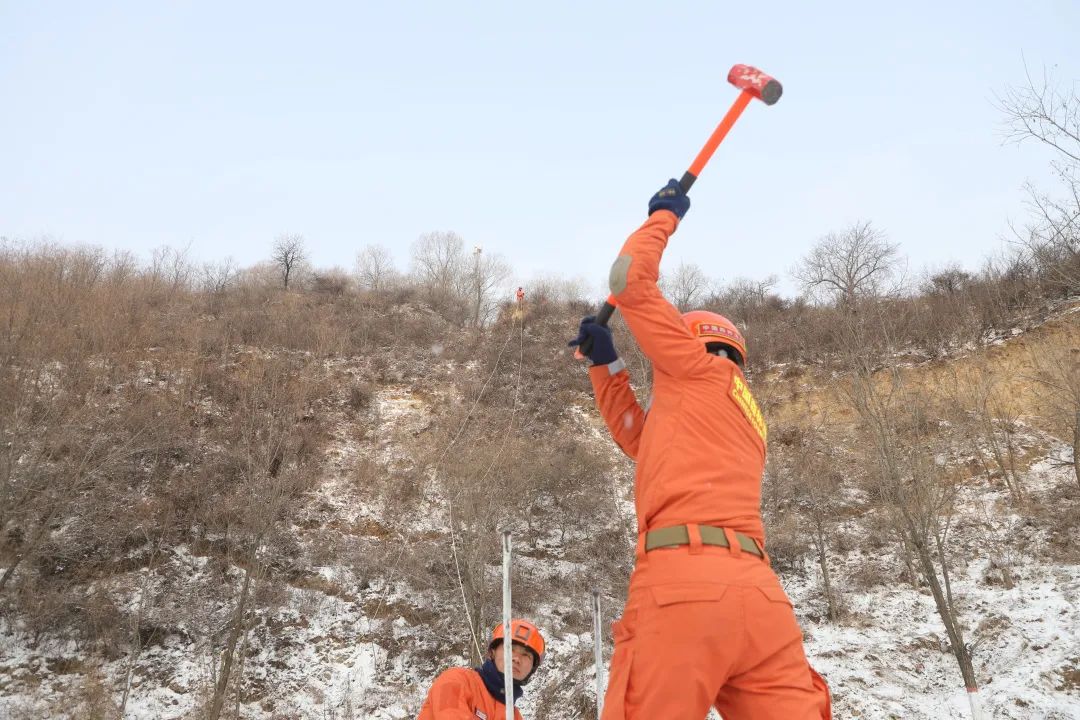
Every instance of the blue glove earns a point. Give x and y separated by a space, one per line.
670 197
603 345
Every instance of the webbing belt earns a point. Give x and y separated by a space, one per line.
680 535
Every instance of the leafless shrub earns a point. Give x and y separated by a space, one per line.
555 291
171 270
330 283
375 270
946 316
361 395
813 475
216 277
868 575
104 439
92 697
987 420
786 547
1062 513
1057 376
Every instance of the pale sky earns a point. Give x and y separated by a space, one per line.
535 130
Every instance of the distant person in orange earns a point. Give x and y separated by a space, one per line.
472 693
519 309
706 621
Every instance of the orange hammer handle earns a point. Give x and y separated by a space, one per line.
715 139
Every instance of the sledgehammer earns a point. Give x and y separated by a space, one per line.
754 84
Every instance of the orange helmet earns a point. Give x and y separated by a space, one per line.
710 327
524 632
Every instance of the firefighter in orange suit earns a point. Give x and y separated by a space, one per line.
706 621
479 693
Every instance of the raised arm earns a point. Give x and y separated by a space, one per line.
655 322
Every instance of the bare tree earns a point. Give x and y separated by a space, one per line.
438 261
911 482
687 287
271 474
486 275
818 483
462 288
289 254
438 269
849 265
916 490
375 268
1043 111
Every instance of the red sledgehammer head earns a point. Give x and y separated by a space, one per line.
755 82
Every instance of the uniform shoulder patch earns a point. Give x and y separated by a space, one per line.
740 393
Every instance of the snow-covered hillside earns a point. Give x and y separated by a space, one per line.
370 612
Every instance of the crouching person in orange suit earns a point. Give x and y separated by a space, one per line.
706 621
479 693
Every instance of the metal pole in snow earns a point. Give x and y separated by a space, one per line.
508 657
598 652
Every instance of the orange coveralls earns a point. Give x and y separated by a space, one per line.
703 625
459 694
